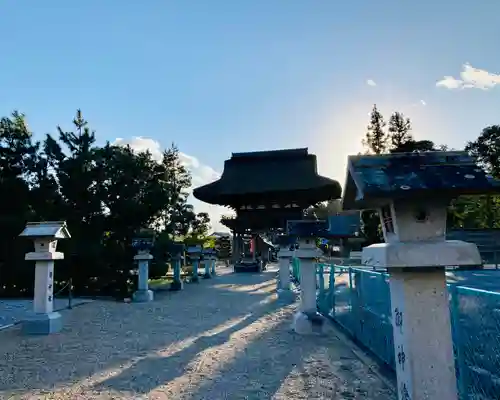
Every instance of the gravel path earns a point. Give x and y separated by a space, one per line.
14 310
225 338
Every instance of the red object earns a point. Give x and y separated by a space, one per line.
252 246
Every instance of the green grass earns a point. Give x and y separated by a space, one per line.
168 278
160 281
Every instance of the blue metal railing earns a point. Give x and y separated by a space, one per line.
359 300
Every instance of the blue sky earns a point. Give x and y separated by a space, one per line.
217 76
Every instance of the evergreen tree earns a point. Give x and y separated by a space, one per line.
376 139
17 161
376 142
106 194
486 148
178 215
200 225
399 130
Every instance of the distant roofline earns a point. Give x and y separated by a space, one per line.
299 152
416 155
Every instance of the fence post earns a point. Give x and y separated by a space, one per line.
321 278
70 293
320 270
462 378
332 289
354 306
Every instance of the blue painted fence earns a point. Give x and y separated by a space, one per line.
359 300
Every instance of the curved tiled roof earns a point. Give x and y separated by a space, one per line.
413 175
275 175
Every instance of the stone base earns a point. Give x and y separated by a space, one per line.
42 324
281 286
308 323
207 276
286 296
421 254
143 296
176 285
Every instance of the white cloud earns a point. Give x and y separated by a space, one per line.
201 175
141 144
470 78
371 82
423 102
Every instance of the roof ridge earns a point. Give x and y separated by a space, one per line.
304 151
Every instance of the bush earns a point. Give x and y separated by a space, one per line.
158 269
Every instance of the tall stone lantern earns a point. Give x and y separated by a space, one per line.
411 192
143 244
43 319
307 320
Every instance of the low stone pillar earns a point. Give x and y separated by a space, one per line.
177 249
177 283
285 292
143 244
213 265
206 263
194 253
307 320
43 320
143 294
196 263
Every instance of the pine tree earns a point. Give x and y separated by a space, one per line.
179 215
376 142
376 138
399 130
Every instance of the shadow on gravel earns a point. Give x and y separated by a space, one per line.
153 371
106 335
280 364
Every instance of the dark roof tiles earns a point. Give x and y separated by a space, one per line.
280 173
407 175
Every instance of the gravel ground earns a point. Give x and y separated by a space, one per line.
15 310
224 338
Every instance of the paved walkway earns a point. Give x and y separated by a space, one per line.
225 338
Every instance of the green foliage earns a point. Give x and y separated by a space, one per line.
376 139
474 212
482 211
209 242
200 225
487 149
107 194
323 210
399 130
464 212
223 246
158 269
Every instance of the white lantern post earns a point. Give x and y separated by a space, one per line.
411 192
43 320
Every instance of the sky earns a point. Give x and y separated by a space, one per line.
221 76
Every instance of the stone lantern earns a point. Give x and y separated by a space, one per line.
411 192
194 253
45 235
176 250
143 244
307 320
